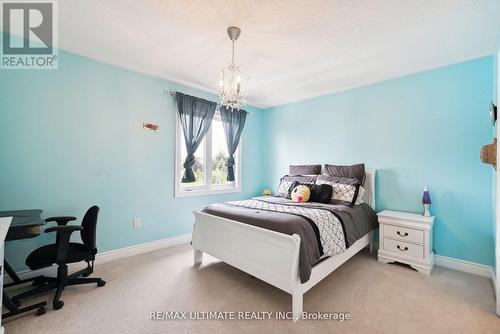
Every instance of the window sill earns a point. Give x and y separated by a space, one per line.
205 191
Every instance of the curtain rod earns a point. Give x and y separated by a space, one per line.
172 93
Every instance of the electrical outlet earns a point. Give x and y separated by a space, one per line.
136 223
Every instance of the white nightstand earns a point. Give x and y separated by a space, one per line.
406 238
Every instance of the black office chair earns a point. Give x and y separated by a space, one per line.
62 253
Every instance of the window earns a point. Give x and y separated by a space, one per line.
210 168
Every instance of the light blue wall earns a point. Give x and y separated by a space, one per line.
495 79
494 172
417 130
72 137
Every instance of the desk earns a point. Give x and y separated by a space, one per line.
24 224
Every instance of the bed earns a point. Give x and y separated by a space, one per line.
272 256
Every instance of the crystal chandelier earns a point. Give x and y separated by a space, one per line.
233 83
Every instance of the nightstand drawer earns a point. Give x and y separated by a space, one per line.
405 234
404 248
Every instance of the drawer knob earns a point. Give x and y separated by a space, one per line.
402 235
402 249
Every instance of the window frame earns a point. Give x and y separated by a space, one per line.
208 188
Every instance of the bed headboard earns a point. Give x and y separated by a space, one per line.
369 186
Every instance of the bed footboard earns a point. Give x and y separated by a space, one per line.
270 256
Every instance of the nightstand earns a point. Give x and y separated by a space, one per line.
406 238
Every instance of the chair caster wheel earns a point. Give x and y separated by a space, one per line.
58 305
101 283
41 311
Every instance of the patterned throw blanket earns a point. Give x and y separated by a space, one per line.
330 228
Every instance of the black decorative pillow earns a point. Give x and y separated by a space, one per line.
321 193
344 190
287 180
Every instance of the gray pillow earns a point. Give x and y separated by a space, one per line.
354 171
305 169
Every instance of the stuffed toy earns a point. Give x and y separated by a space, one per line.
301 193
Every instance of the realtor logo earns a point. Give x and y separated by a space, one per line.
29 37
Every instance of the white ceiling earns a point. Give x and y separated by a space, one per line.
291 49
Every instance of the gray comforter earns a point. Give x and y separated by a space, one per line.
356 222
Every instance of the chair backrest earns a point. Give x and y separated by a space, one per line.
89 224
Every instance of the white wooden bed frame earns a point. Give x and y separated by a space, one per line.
268 255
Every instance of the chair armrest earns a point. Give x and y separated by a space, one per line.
62 240
64 229
61 221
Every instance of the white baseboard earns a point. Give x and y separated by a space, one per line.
111 255
465 266
142 248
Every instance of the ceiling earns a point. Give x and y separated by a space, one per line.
292 50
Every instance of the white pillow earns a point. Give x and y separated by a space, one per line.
361 193
341 192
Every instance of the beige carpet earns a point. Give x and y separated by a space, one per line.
381 299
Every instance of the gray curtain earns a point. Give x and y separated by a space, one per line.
233 121
196 117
